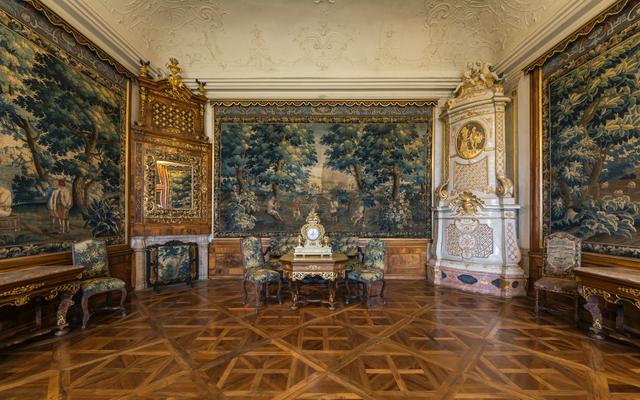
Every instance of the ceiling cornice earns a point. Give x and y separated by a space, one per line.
329 88
570 17
82 17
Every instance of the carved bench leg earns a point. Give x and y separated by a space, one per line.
537 307
593 306
620 317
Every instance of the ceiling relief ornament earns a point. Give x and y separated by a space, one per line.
323 46
162 25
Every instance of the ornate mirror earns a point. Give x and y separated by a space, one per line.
173 185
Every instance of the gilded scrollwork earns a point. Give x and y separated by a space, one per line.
466 203
22 290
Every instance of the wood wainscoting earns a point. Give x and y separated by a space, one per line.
406 258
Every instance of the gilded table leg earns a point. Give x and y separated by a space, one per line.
332 294
593 306
295 295
65 302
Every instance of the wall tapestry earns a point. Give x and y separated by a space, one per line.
364 166
62 135
591 135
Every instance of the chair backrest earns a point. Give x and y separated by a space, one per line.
252 256
279 246
374 253
562 252
92 255
347 245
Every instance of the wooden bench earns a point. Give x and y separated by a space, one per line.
18 287
614 285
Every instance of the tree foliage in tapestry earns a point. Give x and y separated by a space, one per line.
361 177
595 150
60 162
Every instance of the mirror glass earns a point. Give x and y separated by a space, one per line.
174 185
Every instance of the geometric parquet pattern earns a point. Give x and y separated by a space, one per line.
426 343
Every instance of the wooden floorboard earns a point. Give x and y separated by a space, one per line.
426 343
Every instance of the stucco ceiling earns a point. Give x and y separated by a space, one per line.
320 39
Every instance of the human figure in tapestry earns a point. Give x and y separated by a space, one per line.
363 178
61 139
592 102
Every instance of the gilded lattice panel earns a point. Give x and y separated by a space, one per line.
474 176
172 118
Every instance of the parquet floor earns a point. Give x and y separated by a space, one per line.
425 344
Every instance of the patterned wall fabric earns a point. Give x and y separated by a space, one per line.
347 245
280 246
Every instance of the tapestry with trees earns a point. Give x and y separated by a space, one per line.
62 136
591 135
364 167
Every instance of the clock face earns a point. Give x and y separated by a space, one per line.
313 233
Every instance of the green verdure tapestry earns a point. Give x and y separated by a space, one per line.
62 135
591 135
365 167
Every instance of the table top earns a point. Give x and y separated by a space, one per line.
17 276
629 275
335 257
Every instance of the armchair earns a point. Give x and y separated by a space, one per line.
96 279
257 271
561 256
370 271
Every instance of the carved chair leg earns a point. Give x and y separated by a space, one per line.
123 298
85 311
108 300
347 300
266 292
369 293
279 289
384 283
576 315
244 291
537 306
258 290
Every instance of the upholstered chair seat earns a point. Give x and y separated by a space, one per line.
370 271
562 253
257 271
556 285
101 285
96 279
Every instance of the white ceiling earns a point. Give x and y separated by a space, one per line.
319 39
